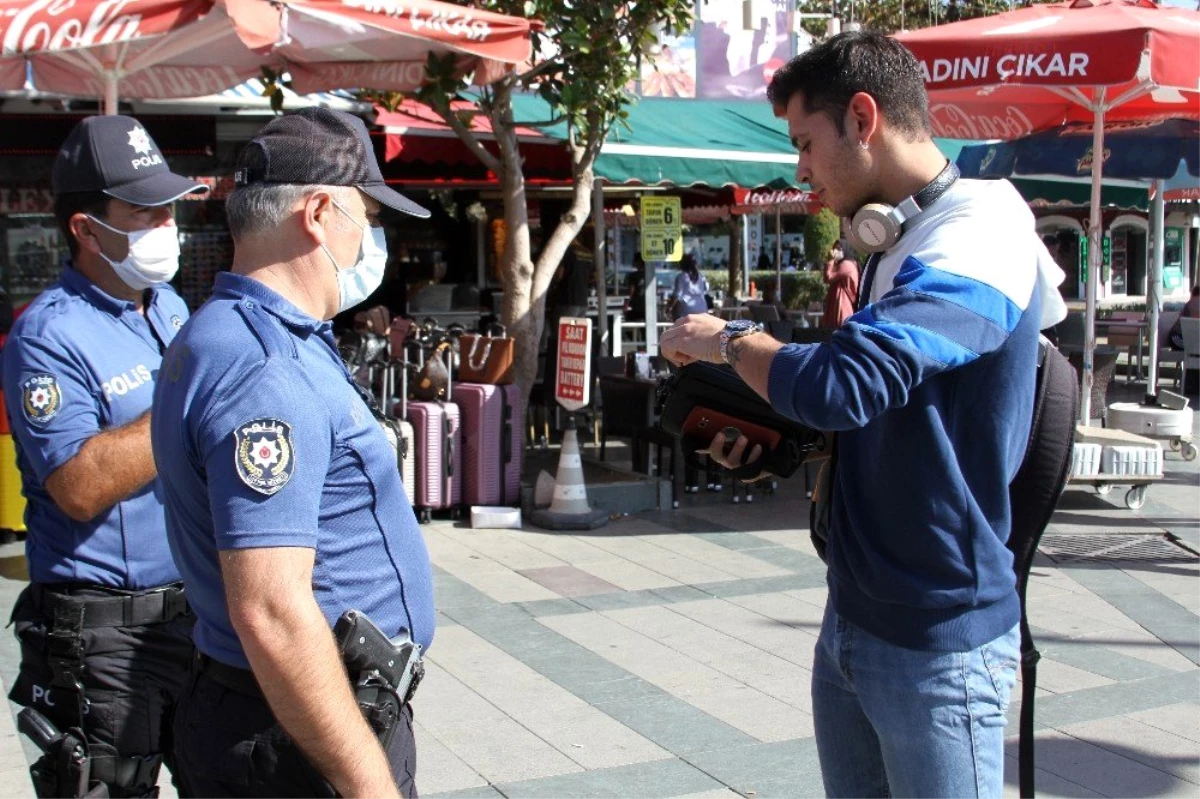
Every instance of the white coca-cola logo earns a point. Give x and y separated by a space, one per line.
779 197
49 25
951 121
457 23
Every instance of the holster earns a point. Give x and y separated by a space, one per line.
64 769
384 672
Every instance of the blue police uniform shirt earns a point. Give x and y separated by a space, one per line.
262 440
79 362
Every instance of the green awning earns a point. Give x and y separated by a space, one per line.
682 142
1056 192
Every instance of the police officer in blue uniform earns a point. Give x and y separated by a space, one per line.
284 503
103 626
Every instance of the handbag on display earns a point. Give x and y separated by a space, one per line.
487 358
433 378
703 399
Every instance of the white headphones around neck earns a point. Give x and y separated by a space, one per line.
877 227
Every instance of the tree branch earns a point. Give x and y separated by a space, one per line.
469 138
549 123
528 78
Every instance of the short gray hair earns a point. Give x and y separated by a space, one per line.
264 206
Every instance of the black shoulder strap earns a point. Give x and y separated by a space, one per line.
868 280
1033 495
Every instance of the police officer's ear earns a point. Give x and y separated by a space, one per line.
86 233
317 212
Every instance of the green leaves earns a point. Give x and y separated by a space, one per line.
273 84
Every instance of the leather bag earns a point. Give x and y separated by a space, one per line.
701 392
488 358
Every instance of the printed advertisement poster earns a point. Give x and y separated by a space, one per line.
673 71
732 62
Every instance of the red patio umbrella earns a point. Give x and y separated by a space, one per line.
161 49
1035 68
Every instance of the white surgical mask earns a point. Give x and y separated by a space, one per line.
358 282
153 255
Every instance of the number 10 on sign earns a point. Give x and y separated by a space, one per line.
660 246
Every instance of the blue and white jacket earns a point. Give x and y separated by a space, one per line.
931 387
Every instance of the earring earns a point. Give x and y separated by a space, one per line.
863 144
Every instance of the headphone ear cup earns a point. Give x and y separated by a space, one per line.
873 228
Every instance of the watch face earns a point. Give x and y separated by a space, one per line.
738 326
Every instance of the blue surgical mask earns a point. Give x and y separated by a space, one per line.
359 281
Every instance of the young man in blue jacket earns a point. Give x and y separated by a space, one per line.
930 388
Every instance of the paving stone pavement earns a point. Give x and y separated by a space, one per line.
668 654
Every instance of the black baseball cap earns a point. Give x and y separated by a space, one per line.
115 155
319 146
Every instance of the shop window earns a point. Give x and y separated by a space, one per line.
33 254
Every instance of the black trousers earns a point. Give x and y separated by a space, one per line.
132 678
228 743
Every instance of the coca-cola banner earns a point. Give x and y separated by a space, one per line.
766 201
31 26
162 49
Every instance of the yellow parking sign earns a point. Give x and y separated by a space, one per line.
662 229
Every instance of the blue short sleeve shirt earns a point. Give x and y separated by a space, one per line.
77 363
262 440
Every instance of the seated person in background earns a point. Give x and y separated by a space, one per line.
635 299
1190 311
769 298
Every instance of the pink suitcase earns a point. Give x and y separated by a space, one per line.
439 456
491 422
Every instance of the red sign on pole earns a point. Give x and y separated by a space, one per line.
572 386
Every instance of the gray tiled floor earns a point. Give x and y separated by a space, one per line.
667 655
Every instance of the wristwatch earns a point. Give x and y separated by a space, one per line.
736 328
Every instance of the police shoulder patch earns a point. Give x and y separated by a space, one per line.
263 454
41 398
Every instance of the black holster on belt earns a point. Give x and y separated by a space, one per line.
384 672
64 769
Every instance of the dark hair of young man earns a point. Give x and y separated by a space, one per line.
828 75
66 205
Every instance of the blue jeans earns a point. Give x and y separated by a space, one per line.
892 721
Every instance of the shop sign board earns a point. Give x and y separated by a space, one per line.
662 229
572 386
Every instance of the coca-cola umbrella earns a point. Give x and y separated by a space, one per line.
1039 67
1162 154
163 49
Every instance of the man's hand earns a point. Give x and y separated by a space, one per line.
693 338
736 457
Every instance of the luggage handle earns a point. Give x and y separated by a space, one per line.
476 363
506 453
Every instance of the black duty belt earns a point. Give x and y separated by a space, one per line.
240 680
133 609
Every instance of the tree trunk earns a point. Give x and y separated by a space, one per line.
523 307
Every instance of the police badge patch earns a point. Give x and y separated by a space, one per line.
41 399
263 454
